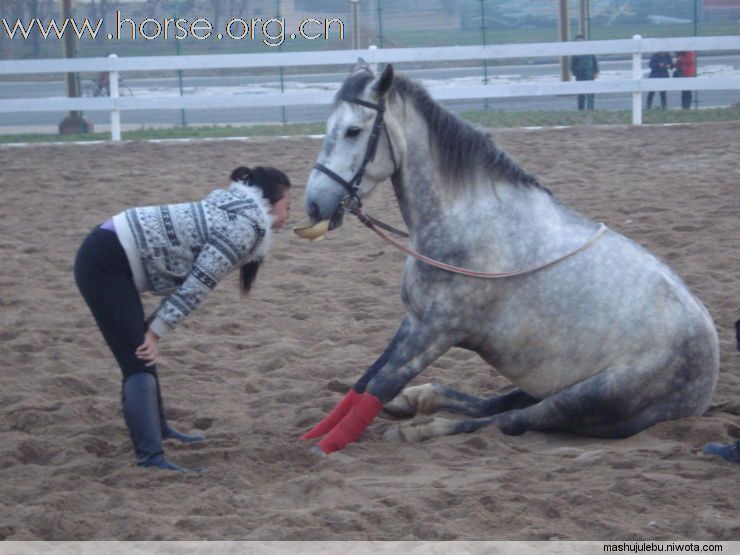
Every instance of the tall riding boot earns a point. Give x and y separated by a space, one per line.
140 410
167 431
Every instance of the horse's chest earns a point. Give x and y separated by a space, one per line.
423 287
415 292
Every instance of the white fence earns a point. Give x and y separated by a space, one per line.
115 104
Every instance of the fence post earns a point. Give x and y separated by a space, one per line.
637 75
484 41
355 4
380 23
372 54
282 69
115 114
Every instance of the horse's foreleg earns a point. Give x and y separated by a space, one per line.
415 346
353 396
433 397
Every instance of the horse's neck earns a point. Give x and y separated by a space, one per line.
509 220
426 199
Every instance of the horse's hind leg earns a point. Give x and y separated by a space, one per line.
605 405
433 397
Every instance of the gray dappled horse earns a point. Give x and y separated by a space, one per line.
605 343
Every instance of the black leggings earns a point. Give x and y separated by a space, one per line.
104 278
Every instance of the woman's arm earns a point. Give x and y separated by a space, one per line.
226 251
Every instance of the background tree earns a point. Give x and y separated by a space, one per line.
216 6
102 9
11 10
41 10
238 8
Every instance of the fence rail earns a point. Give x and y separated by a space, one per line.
114 65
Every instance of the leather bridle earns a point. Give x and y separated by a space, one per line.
352 202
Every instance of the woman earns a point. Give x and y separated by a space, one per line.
179 250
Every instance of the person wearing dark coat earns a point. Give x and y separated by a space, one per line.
584 67
661 65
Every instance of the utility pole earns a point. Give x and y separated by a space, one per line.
183 121
564 69
355 24
583 23
282 69
74 122
696 59
380 24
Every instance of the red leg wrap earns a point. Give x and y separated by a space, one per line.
333 418
352 425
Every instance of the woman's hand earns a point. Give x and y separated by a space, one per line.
149 350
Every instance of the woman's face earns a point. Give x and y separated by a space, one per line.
280 211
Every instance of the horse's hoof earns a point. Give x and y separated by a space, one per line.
316 450
393 434
398 408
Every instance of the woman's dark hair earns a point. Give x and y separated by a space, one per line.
273 183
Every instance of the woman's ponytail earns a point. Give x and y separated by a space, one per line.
247 275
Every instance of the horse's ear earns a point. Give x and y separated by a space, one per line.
361 65
384 82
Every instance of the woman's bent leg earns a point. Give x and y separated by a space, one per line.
104 278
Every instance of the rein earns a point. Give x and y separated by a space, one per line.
371 223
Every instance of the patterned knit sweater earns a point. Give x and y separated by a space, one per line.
184 250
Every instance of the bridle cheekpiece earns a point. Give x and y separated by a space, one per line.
351 202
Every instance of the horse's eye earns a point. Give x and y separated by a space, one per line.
352 132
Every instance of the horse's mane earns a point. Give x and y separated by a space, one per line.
461 149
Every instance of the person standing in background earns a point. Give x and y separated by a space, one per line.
585 68
685 67
661 65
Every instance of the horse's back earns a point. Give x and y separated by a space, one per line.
614 305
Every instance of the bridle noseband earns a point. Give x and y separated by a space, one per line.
352 202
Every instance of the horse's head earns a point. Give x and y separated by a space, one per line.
363 146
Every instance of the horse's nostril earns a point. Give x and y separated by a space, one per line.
313 212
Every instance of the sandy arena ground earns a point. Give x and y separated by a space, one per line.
254 374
